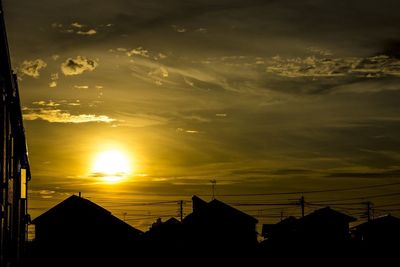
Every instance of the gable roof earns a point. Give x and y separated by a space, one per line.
327 214
383 221
285 224
73 203
216 208
224 208
79 206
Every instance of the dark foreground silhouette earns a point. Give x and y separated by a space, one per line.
78 232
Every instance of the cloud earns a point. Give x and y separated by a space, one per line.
202 30
56 25
162 56
62 116
179 29
316 66
55 57
77 25
81 86
181 130
140 51
32 67
43 103
53 84
78 66
54 78
161 72
379 174
88 32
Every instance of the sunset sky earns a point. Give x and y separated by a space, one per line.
261 95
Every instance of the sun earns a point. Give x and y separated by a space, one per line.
111 166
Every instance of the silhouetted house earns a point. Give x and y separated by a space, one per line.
79 232
217 228
325 225
380 231
325 232
164 238
378 238
282 231
164 234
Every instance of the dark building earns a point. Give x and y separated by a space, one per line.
81 233
281 232
325 226
325 232
166 240
217 230
165 235
377 240
14 165
382 231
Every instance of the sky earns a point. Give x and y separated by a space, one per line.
261 95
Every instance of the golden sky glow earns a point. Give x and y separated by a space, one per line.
254 94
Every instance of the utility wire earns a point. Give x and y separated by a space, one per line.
358 198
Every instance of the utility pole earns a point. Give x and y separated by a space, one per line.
213 184
181 209
369 210
302 203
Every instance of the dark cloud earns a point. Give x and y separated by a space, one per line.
382 174
78 66
31 68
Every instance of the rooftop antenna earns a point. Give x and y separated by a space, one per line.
213 184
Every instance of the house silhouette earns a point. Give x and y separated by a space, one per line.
325 226
81 233
381 230
219 231
325 232
164 239
379 238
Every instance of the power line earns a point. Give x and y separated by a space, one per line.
361 198
388 205
313 191
257 194
262 204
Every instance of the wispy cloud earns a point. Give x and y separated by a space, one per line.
49 103
53 80
139 51
314 66
62 116
32 67
77 25
81 86
88 32
74 28
78 65
179 29
181 130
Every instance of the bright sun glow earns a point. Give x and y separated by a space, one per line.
111 166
